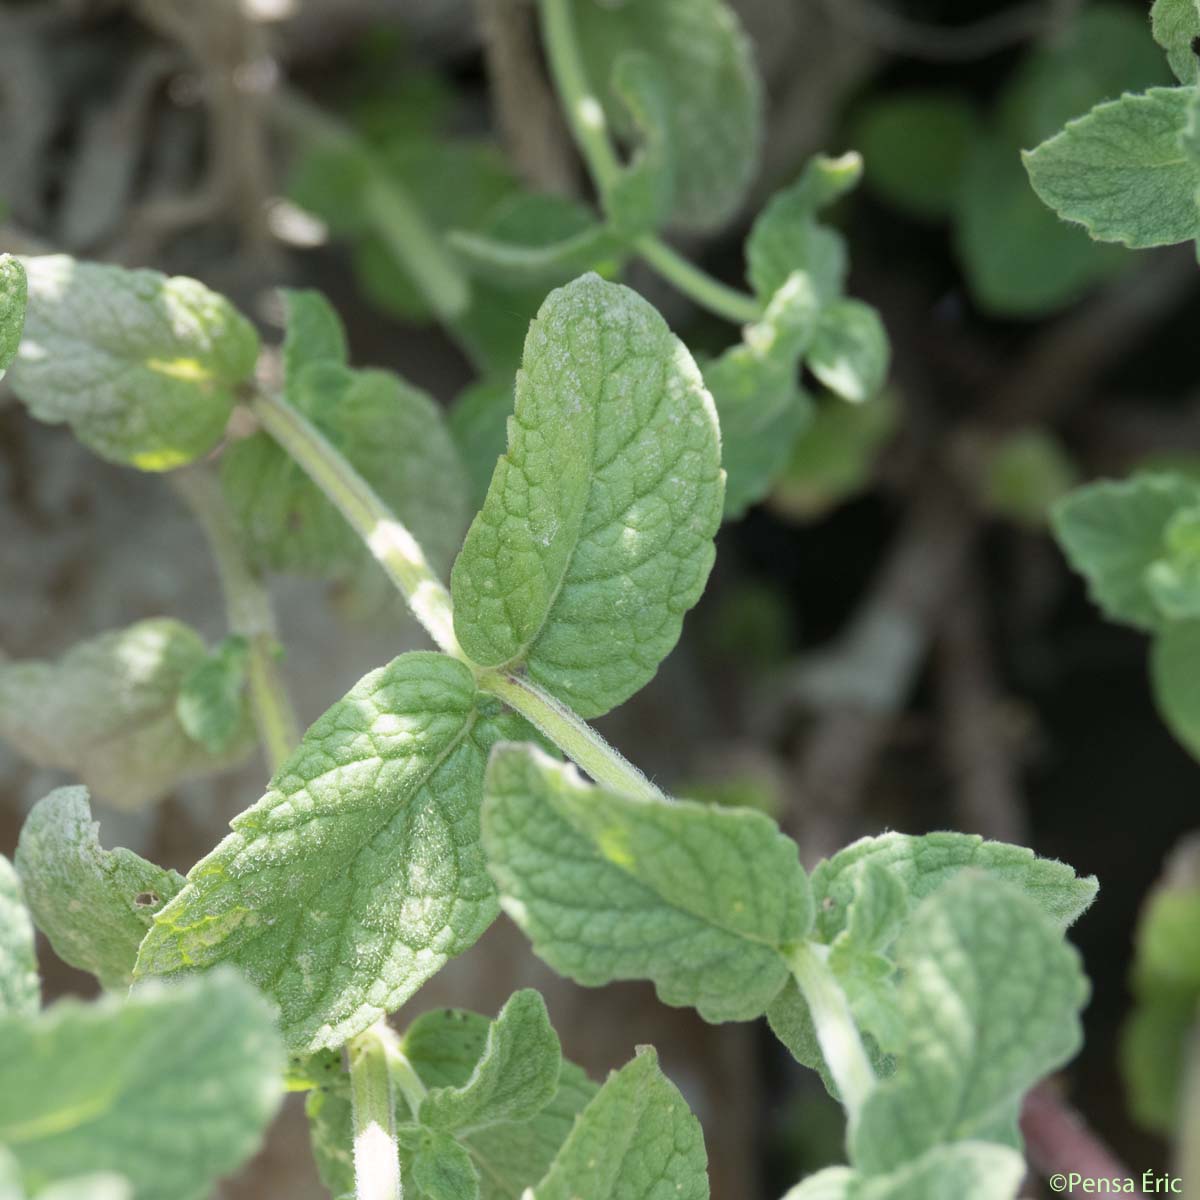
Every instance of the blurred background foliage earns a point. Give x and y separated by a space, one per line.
890 639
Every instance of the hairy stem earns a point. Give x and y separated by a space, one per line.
393 546
837 1034
570 733
376 1155
249 612
397 219
696 284
405 1077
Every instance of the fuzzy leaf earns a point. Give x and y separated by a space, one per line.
211 704
755 386
143 367
990 997
787 237
94 905
711 93
1175 675
441 1169
636 1140
359 873
1121 171
20 987
515 1077
850 350
314 333
13 296
596 534
926 864
1112 533
695 897
109 1086
391 433
1176 25
106 711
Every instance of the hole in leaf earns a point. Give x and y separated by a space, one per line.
145 899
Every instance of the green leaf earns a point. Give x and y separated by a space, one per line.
1166 985
786 236
1112 532
106 712
13 296
445 1047
694 897
1121 172
143 367
635 1140
1025 475
479 426
1174 667
850 350
1176 25
711 93
359 873
979 1170
596 534
1174 580
834 457
94 905
20 988
314 333
392 433
442 1169
756 389
515 1077
990 997
926 864
211 704
331 1139
914 145
112 1085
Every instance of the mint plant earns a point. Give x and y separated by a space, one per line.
927 979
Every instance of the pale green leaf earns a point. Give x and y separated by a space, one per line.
94 905
391 433
711 93
850 350
1112 532
331 1139
441 1169
990 995
755 386
695 897
787 237
20 988
100 1186
143 367
516 1075
211 705
479 426
13 295
172 1088
1121 171
596 534
1176 25
636 1140
445 1046
833 1183
106 712
1175 675
313 333
1174 580
927 863
360 872
914 145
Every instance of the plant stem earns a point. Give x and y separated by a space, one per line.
701 287
837 1034
249 612
393 546
376 1155
405 1077
577 740
396 218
